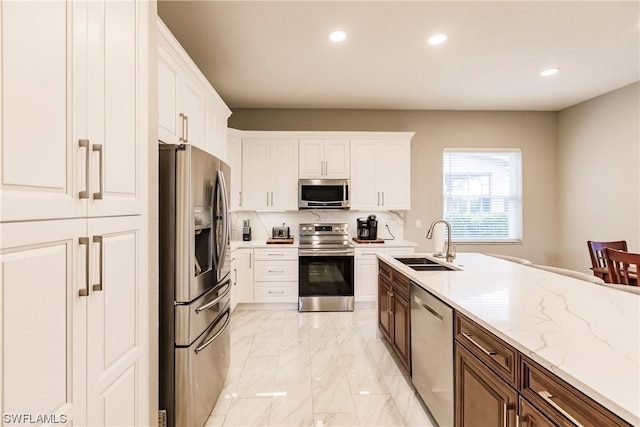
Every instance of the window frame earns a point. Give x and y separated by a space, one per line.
513 201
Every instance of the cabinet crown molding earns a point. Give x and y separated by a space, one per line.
322 134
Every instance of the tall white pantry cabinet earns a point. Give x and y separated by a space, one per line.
73 218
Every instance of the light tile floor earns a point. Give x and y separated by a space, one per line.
313 369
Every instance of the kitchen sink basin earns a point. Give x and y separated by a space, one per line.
424 264
417 260
430 267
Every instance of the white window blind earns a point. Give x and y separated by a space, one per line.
483 194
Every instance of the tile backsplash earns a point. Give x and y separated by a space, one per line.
262 222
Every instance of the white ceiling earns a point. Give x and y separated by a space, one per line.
276 54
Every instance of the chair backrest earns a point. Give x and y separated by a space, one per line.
623 266
598 256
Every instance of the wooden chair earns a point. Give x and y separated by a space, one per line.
623 267
599 256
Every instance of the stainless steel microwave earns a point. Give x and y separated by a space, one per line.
323 194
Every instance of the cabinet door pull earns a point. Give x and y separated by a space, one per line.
250 256
382 198
547 398
186 135
183 138
84 143
522 421
487 352
505 418
427 307
235 274
85 292
98 286
98 148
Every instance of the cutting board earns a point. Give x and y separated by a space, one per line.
355 239
280 241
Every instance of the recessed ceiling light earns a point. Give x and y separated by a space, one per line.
437 39
337 36
549 71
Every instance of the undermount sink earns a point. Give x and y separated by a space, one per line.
424 264
417 260
430 267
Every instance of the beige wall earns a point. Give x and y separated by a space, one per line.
533 132
599 182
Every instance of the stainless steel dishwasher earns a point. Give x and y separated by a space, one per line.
432 353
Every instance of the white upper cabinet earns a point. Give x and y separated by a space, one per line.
234 159
381 174
71 144
324 159
269 174
190 111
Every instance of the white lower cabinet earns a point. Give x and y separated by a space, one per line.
74 310
276 275
366 270
241 277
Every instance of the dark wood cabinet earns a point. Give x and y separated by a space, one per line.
560 401
394 311
401 329
385 309
531 417
482 397
494 382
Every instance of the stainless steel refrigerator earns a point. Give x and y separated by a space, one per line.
194 294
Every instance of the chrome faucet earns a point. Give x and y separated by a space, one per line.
450 256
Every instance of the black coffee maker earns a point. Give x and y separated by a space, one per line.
368 228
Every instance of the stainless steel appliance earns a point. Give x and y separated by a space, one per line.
368 228
280 232
194 259
432 353
325 269
323 194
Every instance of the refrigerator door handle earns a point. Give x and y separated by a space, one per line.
221 246
210 304
215 337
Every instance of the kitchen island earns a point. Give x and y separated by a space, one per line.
587 335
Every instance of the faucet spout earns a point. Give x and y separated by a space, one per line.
450 256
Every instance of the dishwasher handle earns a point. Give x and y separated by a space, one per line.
430 309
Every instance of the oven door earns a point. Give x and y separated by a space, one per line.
328 273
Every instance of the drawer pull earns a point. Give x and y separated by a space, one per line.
275 254
274 292
547 398
276 271
487 352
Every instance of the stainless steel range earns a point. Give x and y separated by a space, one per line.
325 268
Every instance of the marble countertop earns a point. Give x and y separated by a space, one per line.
587 334
252 244
386 244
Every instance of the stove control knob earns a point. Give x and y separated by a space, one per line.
304 228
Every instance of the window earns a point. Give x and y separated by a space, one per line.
483 195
